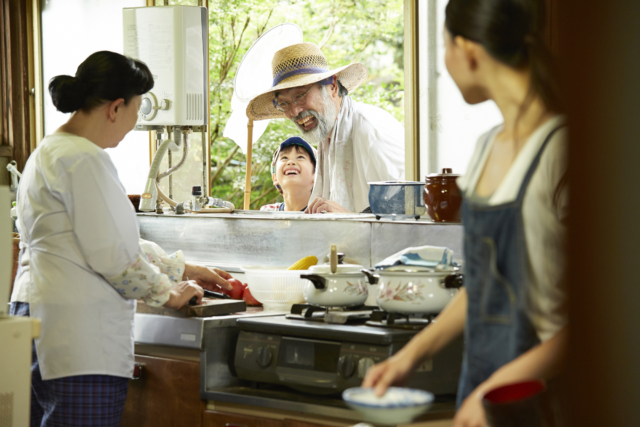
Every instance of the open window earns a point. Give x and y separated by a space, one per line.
370 31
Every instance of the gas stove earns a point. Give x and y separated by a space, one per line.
328 351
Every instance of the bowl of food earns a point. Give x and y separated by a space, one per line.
398 405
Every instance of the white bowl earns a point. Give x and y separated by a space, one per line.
397 406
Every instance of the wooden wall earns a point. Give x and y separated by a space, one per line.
600 63
551 25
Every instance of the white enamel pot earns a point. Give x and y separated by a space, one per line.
410 290
344 288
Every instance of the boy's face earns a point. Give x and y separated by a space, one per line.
294 170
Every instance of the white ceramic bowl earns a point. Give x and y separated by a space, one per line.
397 406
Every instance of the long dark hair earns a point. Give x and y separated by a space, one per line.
511 32
104 76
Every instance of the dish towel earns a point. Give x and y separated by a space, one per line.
439 258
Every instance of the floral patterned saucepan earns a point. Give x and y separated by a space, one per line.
407 290
346 287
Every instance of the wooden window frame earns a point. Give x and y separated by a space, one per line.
20 79
411 91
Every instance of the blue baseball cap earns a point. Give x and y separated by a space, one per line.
294 140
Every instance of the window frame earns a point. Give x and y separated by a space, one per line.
21 80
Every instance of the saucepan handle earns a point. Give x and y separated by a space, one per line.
372 278
318 281
454 281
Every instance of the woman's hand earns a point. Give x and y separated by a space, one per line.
207 277
393 371
471 412
397 369
320 205
181 293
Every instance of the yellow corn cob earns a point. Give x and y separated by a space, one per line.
304 263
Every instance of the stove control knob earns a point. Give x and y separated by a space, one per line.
264 357
346 366
363 366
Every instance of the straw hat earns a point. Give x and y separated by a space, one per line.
299 65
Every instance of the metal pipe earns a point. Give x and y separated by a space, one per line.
185 152
230 207
247 182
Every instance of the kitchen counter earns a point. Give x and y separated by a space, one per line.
283 399
170 344
210 342
185 332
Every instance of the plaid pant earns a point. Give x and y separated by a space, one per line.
82 400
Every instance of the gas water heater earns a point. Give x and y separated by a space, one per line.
172 41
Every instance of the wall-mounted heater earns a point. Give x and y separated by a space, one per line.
172 41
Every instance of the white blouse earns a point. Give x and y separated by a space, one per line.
544 214
82 260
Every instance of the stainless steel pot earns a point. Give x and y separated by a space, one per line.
407 290
397 198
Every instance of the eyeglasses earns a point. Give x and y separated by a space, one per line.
299 100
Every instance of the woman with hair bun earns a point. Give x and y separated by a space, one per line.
514 212
83 264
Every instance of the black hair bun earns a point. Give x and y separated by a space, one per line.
67 93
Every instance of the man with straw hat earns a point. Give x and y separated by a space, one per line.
357 143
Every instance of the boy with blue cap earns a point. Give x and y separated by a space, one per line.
293 170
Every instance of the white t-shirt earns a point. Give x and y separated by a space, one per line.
544 214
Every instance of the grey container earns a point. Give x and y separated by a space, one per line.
400 198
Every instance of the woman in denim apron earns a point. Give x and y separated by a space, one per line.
513 228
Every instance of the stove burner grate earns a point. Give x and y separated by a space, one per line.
335 315
381 318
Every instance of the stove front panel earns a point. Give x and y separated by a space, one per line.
321 366
331 366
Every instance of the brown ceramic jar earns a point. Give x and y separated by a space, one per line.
441 196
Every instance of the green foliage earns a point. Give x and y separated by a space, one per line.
367 31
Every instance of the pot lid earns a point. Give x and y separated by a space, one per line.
446 173
341 269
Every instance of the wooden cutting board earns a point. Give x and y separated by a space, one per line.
209 307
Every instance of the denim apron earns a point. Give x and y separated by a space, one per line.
497 328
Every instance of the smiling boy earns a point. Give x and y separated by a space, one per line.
293 170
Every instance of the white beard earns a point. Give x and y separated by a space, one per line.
326 120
